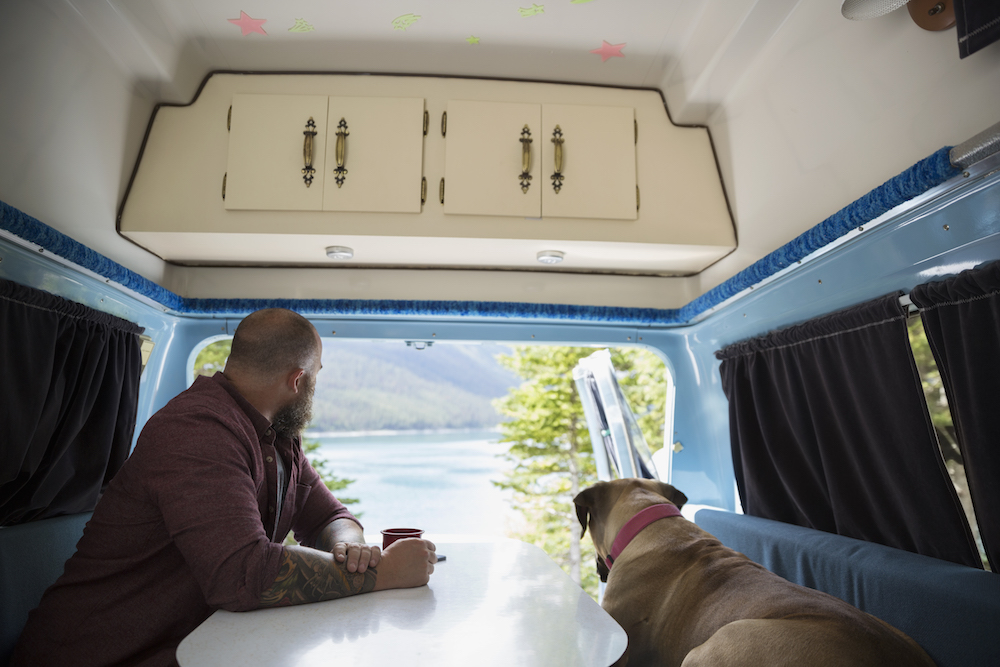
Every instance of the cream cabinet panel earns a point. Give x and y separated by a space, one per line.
382 154
266 152
485 159
597 174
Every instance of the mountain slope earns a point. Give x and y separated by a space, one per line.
374 385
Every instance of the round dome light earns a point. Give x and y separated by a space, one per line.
339 252
550 256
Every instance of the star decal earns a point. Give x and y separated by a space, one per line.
609 51
472 39
247 24
301 25
405 21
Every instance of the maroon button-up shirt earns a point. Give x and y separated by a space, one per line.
186 527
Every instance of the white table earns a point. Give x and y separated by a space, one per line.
490 603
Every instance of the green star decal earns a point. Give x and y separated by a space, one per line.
405 21
301 25
531 11
472 39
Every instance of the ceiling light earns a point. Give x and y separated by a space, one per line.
339 252
550 257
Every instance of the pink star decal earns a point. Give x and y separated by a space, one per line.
609 51
247 24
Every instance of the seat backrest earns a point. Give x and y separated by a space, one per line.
951 610
32 557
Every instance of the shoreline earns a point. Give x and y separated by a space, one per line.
389 432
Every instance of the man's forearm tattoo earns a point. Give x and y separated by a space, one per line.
306 577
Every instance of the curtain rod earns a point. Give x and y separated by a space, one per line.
977 148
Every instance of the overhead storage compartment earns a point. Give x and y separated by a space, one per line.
271 169
533 160
279 146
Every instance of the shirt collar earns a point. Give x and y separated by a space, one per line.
260 423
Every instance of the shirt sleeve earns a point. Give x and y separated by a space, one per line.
319 507
203 479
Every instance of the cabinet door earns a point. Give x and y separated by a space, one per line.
598 162
266 152
484 159
381 154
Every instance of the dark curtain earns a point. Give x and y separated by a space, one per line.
977 25
69 384
830 430
962 320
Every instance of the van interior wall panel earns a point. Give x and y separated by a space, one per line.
943 237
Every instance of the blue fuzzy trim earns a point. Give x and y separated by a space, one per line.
924 175
437 309
919 178
34 231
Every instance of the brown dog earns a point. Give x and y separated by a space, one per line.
685 599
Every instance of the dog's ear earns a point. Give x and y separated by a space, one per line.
672 494
584 501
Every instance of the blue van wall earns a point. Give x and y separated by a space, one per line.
943 233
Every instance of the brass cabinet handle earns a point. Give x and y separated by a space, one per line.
557 177
341 152
307 152
427 119
441 191
423 190
525 176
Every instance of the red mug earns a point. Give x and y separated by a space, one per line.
390 535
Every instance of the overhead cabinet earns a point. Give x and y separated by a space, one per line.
274 169
548 160
319 153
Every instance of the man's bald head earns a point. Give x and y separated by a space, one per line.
270 342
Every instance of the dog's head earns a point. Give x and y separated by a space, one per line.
594 506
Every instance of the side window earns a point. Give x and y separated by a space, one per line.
211 358
944 427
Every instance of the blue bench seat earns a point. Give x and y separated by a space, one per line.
951 610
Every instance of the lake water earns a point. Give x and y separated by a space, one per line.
439 482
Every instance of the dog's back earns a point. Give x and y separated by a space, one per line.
685 599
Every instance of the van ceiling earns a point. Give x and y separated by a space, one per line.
508 38
807 111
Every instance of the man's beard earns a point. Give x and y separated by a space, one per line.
291 419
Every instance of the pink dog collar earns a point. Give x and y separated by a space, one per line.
635 526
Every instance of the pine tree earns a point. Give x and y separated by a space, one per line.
550 450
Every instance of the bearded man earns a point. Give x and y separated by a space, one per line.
195 519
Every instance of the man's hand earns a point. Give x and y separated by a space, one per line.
358 556
406 563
